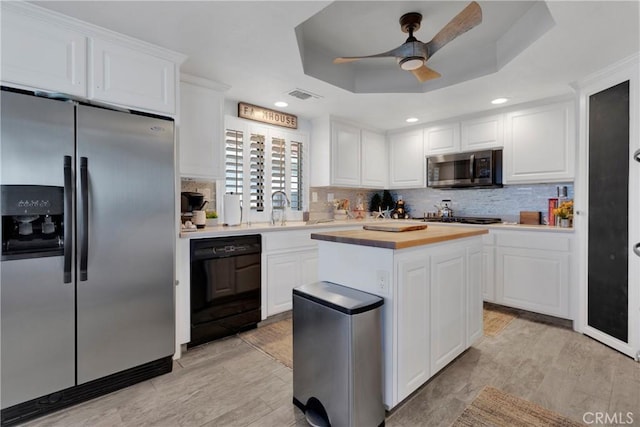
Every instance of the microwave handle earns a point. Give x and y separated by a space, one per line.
472 167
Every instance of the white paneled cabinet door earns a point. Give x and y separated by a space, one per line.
309 267
345 154
533 279
201 135
540 144
126 76
475 260
374 157
448 308
42 55
413 324
482 133
442 139
282 276
407 161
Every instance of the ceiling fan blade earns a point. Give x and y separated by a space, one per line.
425 73
392 53
460 24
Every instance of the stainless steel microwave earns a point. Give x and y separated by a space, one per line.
465 170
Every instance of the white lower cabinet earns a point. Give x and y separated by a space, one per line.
413 323
285 272
439 310
533 271
448 308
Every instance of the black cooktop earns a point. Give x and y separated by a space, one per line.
465 220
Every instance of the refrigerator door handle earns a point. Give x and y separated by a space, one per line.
68 207
84 237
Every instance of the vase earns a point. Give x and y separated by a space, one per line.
565 223
212 222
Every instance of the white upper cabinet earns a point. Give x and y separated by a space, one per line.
345 154
39 55
123 75
201 133
540 144
375 165
482 133
407 160
442 139
48 51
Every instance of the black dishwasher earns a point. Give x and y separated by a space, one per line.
225 286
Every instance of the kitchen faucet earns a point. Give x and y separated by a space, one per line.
281 208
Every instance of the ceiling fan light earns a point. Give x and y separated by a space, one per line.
411 63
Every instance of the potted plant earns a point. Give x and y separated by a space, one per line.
212 218
565 213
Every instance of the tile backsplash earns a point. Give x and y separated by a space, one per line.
505 203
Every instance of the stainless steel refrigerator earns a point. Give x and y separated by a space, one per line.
87 270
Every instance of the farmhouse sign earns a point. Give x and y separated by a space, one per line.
265 115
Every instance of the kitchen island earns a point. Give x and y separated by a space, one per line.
431 281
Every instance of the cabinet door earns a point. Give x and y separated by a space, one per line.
374 158
533 279
282 276
413 324
442 139
345 154
308 267
448 308
482 133
488 273
42 55
540 144
407 161
475 260
126 76
201 136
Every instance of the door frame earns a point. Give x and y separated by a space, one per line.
626 69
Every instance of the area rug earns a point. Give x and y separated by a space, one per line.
495 408
275 339
496 319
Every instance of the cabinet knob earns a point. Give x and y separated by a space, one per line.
636 249
636 155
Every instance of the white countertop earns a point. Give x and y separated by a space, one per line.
263 227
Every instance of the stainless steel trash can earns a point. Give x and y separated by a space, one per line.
337 355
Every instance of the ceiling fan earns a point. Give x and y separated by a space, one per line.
413 54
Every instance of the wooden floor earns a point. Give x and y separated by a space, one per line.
229 383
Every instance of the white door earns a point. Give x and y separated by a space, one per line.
345 154
610 256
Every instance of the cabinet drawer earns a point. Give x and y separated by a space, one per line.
285 240
534 241
489 239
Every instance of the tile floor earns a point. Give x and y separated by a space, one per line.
229 383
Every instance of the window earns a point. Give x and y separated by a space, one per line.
260 160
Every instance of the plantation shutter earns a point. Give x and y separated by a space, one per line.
296 175
256 165
233 161
278 172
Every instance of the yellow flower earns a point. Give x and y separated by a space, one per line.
565 210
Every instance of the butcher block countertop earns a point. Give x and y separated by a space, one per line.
399 240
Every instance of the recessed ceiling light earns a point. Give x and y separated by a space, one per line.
499 101
412 119
281 104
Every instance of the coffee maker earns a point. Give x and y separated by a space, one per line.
190 201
